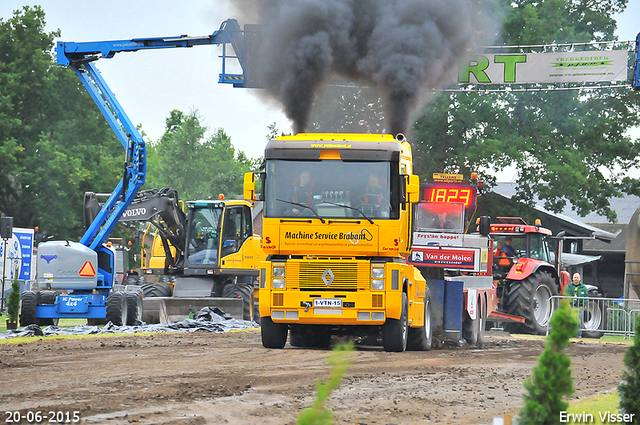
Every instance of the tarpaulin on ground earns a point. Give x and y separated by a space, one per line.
208 319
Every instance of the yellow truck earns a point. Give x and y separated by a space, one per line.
337 234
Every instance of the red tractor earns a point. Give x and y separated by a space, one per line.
525 273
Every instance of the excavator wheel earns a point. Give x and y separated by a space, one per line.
531 299
243 291
28 309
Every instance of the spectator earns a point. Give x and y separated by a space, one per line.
577 290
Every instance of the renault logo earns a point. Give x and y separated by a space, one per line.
327 277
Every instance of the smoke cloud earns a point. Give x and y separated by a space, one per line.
402 48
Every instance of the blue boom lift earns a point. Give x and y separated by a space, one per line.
77 280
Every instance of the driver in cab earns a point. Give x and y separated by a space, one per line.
302 192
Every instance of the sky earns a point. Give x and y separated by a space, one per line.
149 84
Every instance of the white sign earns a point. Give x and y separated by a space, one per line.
533 68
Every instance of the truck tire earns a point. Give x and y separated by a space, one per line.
421 339
531 299
117 308
594 316
134 307
274 335
28 308
156 290
242 291
395 331
47 297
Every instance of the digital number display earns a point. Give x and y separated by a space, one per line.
450 194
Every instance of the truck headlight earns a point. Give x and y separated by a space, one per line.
278 277
377 278
278 283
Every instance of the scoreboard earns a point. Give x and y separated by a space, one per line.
450 194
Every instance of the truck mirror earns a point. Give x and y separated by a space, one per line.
413 188
249 186
485 225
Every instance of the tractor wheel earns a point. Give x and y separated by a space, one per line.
421 339
47 297
274 335
395 331
117 308
134 307
28 308
156 290
243 291
531 299
593 316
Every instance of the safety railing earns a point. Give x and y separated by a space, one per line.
599 316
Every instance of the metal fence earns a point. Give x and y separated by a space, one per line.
599 316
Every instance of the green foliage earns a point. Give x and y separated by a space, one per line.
197 166
13 301
568 147
319 414
629 387
551 380
54 143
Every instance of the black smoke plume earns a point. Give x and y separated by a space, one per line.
402 48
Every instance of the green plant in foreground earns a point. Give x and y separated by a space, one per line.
629 387
13 301
551 379
338 361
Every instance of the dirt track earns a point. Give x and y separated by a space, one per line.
230 378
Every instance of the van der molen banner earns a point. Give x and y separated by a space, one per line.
532 68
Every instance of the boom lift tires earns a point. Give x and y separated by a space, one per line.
134 308
395 332
28 309
47 297
421 339
117 308
274 335
531 299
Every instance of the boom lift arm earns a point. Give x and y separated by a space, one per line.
80 57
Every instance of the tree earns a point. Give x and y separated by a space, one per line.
54 143
629 387
569 147
551 379
13 302
198 167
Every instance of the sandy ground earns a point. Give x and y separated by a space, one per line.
231 379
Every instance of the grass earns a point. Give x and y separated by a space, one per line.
595 405
64 323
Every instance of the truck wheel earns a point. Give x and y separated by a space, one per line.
421 339
28 308
274 335
117 308
243 291
395 331
531 299
593 316
47 297
156 290
134 307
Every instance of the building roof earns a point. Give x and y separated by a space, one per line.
619 244
624 206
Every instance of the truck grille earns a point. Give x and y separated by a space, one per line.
338 275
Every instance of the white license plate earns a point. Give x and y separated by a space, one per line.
319 302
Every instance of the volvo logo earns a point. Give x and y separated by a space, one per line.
327 277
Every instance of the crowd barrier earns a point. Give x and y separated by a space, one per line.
599 316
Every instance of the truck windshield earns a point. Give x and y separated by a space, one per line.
330 189
204 238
